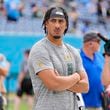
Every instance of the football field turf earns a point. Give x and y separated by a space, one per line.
10 104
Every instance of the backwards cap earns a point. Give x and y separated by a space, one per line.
57 12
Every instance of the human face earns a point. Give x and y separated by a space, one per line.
96 40
56 27
96 44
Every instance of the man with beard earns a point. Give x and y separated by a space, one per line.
56 68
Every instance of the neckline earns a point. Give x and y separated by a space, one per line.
54 45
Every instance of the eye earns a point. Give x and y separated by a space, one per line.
61 21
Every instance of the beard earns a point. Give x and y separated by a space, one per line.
57 37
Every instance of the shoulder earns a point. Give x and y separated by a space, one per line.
71 47
99 55
38 49
38 46
74 50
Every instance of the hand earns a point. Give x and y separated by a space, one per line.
77 76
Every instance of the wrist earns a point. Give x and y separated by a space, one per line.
77 77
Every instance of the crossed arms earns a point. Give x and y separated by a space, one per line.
77 82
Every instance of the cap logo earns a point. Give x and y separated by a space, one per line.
59 13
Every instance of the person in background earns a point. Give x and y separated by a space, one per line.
2 9
106 75
55 67
106 72
12 10
34 10
4 69
93 62
24 84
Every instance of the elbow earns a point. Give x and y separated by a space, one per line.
86 88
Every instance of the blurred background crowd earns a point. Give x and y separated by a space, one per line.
22 16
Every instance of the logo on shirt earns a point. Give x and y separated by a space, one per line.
40 64
70 68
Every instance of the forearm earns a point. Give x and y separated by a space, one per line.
83 85
53 81
80 87
3 71
65 82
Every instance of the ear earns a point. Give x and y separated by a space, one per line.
46 24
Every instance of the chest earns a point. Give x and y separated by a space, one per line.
63 61
93 67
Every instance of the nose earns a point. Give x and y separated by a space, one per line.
57 24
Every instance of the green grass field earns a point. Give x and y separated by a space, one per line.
23 106
10 105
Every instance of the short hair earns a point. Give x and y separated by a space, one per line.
48 13
90 37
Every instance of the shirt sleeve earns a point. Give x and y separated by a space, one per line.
40 60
